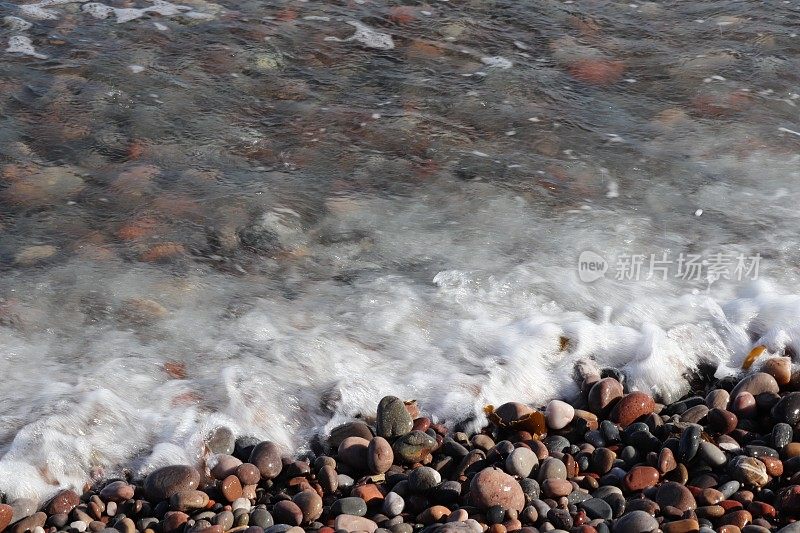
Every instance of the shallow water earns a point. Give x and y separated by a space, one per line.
269 216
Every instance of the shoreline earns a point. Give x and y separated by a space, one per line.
726 459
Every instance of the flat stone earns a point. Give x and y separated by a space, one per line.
380 455
558 414
161 484
512 412
393 418
29 523
351 523
711 454
521 462
492 486
596 508
632 407
635 522
266 456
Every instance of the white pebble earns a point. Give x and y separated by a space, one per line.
111 508
241 503
78 525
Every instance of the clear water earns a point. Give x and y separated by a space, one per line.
269 215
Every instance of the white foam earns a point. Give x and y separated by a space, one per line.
497 62
16 23
127 14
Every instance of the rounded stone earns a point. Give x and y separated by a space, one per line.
231 488
603 395
225 466
558 414
556 488
224 519
63 502
161 484
492 486
329 479
310 505
350 523
640 478
635 522
379 455
671 494
6 513
260 517
689 442
393 504
632 407
423 479
596 508
748 470
117 491
352 505
393 418
353 452
756 383
521 462
413 447
186 500
722 421
782 435
712 455
718 399
552 468
787 410
287 512
779 368
266 456
221 440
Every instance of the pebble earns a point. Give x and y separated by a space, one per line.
640 478
511 412
6 513
63 502
221 441
351 523
671 494
186 500
558 414
779 368
492 486
413 447
266 456
748 470
521 462
161 484
117 491
635 522
231 488
632 407
423 479
351 505
393 419
755 384
287 512
787 410
393 504
552 468
711 454
310 504
380 455
603 395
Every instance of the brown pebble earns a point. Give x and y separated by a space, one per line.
248 474
380 455
640 478
556 488
675 495
231 488
722 421
631 407
431 515
310 505
710 497
728 529
6 513
737 518
681 526
28 523
63 502
370 493
287 512
492 486
603 395
779 368
666 461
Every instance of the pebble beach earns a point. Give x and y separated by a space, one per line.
726 460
